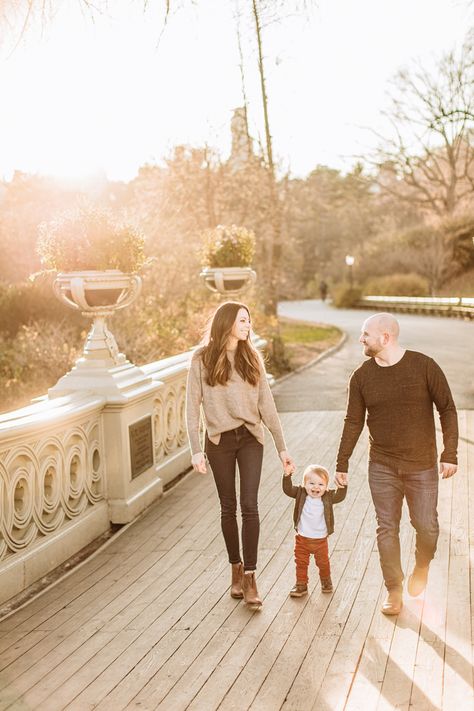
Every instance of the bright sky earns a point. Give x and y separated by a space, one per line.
84 97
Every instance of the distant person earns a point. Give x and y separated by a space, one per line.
323 290
397 388
227 378
313 518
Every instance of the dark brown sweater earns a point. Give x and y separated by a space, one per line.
398 401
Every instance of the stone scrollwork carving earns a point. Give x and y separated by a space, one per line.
158 428
182 437
169 419
18 524
45 483
94 466
49 513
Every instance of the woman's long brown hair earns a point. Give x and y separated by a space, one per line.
214 357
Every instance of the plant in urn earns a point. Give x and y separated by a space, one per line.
227 256
96 259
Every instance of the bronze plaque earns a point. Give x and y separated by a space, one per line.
141 446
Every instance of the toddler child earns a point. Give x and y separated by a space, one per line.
314 521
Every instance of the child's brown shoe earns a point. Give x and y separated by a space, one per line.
326 585
298 590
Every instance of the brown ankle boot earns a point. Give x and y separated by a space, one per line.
236 583
250 591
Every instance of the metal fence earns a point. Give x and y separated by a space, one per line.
457 307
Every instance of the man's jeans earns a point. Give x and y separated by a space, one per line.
388 486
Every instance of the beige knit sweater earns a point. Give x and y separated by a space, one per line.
229 406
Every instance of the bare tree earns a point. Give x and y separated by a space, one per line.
263 13
17 16
429 160
440 252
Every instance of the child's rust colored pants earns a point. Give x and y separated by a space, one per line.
304 548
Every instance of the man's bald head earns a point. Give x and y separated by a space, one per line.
384 323
379 333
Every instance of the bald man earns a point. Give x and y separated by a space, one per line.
396 388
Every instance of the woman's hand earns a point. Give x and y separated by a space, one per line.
288 464
198 461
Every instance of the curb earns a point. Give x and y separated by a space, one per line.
314 361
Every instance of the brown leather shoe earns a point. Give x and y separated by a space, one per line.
249 588
417 581
326 585
298 590
236 583
393 603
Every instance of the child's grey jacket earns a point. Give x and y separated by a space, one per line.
330 497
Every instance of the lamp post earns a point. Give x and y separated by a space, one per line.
349 259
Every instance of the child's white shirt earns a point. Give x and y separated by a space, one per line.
312 523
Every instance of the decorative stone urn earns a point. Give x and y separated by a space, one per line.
228 280
101 368
94 291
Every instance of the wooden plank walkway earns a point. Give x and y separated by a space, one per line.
148 623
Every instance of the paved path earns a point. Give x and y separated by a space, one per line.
323 387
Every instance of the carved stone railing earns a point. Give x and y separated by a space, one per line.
169 425
65 470
65 474
52 486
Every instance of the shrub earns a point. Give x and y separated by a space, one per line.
461 285
398 285
228 247
345 297
89 238
21 304
35 359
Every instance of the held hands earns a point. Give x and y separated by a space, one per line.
447 470
198 461
341 479
288 464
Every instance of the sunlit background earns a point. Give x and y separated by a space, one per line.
130 106
85 94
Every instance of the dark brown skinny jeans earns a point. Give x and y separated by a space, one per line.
238 446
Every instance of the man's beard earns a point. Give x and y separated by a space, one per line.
371 352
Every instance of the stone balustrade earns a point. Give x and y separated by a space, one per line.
169 425
52 486
61 481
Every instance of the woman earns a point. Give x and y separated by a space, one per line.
227 377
